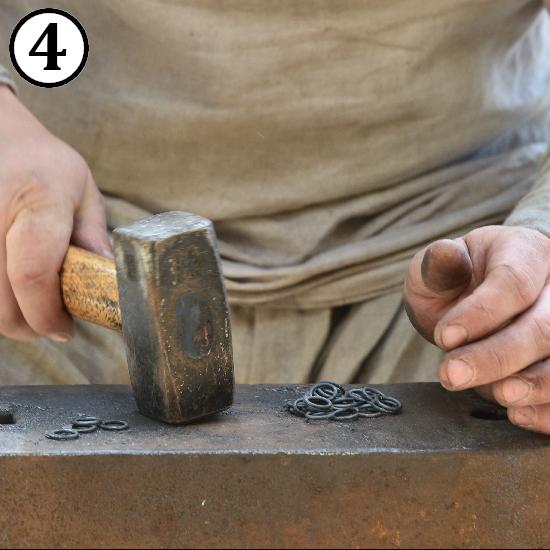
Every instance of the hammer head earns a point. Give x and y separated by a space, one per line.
175 318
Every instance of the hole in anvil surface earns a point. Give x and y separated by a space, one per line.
490 412
6 417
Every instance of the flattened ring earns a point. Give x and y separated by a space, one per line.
114 425
63 434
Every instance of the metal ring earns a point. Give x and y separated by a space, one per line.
114 425
81 429
330 390
300 405
85 421
324 390
344 402
63 434
368 408
388 404
318 403
372 393
353 413
357 395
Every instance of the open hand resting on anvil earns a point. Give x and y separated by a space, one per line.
485 299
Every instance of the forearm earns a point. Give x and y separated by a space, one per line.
533 211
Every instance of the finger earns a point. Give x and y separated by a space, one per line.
520 344
90 226
446 267
529 387
436 278
532 418
12 322
514 278
36 244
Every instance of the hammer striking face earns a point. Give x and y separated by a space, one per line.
175 319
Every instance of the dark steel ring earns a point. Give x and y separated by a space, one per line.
344 402
388 404
82 429
372 393
114 425
357 395
318 403
63 434
353 414
85 421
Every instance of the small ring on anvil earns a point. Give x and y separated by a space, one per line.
340 416
344 403
372 393
82 429
318 403
63 434
388 404
114 425
85 421
328 390
357 395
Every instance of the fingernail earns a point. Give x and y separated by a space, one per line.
524 416
454 336
459 373
60 337
515 389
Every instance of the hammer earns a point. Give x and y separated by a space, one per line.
170 305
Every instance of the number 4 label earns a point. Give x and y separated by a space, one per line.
50 34
49 47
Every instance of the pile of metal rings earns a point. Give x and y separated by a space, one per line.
85 425
330 401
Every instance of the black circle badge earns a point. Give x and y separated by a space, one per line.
49 47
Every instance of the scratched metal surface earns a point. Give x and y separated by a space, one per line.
256 477
432 420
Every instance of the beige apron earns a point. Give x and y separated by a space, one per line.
327 140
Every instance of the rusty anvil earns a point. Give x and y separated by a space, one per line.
170 305
446 473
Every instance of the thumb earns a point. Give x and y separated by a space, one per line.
437 277
446 268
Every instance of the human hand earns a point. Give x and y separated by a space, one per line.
47 198
485 298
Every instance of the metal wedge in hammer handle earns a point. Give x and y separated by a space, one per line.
89 288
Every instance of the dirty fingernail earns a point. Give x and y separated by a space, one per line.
459 373
454 336
515 389
524 416
60 337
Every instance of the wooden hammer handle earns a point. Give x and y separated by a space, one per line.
89 288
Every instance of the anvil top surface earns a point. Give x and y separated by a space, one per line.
432 420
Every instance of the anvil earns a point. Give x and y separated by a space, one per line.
450 471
